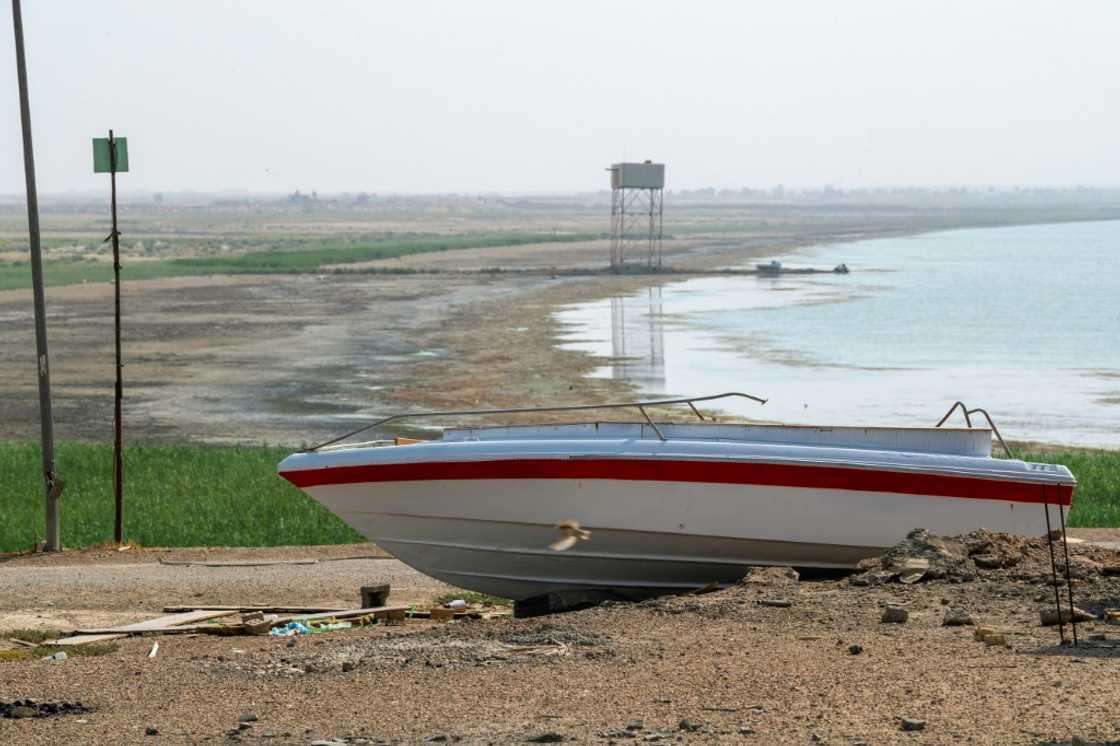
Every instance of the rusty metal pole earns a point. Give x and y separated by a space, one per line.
118 439
52 485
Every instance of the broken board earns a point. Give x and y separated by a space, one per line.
84 637
186 626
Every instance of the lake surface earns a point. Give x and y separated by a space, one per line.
1023 321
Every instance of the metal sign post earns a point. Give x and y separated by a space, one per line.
111 154
52 484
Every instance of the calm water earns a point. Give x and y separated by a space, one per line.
1023 321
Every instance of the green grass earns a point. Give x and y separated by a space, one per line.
30 635
175 495
193 495
72 651
1096 502
319 256
39 636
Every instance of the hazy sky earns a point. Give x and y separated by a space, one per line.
462 96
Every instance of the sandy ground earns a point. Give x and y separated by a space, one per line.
735 670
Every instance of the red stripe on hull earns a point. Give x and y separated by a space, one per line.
708 472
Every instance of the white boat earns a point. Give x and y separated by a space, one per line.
669 507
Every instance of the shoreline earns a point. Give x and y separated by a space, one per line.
802 248
211 359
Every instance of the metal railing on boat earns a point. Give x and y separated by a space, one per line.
1046 511
641 406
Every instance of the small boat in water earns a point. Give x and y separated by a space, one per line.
666 507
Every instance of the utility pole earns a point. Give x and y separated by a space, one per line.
111 155
118 427
51 483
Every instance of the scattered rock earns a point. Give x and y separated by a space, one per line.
913 724
618 733
1050 616
991 636
348 666
772 576
780 603
546 738
746 731
688 726
855 649
247 717
988 561
894 614
634 725
29 708
1083 568
955 616
921 556
942 558
151 730
912 569
244 726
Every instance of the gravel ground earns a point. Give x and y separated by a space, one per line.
72 585
719 667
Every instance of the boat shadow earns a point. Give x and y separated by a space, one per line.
1084 648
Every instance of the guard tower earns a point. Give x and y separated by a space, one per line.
636 214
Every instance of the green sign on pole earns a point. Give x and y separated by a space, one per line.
102 163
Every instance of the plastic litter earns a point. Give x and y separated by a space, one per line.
290 630
457 604
330 626
55 657
307 628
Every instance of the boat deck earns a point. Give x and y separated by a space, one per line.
939 440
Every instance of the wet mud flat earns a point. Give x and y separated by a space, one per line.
295 359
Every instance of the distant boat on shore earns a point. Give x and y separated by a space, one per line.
772 266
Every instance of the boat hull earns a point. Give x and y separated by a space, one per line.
646 536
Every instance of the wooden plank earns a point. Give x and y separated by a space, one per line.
264 608
182 629
150 625
87 639
377 611
24 643
237 563
174 620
